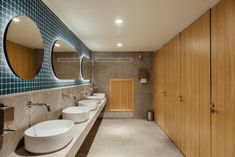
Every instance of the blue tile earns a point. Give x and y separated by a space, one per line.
51 29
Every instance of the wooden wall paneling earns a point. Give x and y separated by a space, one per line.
22 60
195 88
154 73
121 95
160 87
223 79
204 87
172 86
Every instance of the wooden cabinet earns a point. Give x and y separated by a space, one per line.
172 87
223 79
121 95
159 87
195 88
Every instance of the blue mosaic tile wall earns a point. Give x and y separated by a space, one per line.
51 29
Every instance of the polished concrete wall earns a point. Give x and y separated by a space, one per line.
104 71
23 115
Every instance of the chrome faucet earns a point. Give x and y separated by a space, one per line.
84 93
30 104
8 130
71 96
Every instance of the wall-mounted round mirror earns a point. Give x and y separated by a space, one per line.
65 61
24 47
86 68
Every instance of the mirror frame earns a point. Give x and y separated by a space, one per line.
84 57
5 48
52 65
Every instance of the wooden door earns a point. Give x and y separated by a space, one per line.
121 95
159 87
154 73
195 88
223 79
172 86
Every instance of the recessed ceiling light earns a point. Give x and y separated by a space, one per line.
119 45
119 21
16 19
57 45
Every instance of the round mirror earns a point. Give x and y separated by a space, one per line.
24 47
86 68
65 61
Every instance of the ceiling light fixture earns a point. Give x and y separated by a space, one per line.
118 21
119 45
16 20
57 45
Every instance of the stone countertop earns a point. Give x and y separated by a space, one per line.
79 131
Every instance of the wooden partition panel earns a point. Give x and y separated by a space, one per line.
155 87
172 86
121 95
22 60
223 79
159 87
195 88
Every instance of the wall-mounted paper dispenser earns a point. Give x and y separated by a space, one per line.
6 118
143 75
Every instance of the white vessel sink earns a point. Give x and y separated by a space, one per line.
92 104
48 136
102 95
95 97
77 114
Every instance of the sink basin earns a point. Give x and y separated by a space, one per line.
95 97
92 104
77 114
102 95
48 136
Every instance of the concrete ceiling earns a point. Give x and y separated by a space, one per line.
62 46
147 25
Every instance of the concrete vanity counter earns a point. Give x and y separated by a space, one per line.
79 131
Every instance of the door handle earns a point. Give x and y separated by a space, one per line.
212 108
164 93
181 98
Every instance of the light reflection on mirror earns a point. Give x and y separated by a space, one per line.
66 61
86 68
24 47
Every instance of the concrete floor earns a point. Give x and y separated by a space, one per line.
127 138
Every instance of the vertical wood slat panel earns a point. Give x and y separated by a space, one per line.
159 87
121 96
195 88
172 86
22 60
223 78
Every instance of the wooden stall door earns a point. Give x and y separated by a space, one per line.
159 82
121 95
172 86
223 79
195 88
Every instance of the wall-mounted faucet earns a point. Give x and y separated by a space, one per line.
84 93
73 97
30 104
